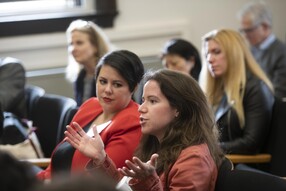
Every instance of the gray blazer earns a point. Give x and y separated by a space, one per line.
12 86
273 62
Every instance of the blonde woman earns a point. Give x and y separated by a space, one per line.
87 43
238 90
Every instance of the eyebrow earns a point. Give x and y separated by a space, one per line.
151 96
104 78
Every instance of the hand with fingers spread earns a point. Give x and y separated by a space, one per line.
138 169
92 147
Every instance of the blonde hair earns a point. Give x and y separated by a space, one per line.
97 38
239 60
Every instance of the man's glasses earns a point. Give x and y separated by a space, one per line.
249 30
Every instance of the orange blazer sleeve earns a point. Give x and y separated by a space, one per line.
194 170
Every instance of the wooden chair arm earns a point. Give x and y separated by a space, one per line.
258 158
40 162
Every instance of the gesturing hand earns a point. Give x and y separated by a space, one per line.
92 147
138 169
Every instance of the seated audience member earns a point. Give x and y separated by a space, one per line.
1 120
12 86
16 175
87 43
97 182
256 24
238 90
183 56
179 149
114 113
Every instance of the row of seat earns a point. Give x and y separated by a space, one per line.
50 114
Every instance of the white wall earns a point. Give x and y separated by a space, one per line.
197 16
143 26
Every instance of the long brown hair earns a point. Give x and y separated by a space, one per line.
194 125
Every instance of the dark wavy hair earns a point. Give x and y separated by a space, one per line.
186 50
194 125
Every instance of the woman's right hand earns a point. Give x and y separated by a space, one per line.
91 147
138 169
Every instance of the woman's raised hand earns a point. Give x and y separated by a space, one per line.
92 147
138 169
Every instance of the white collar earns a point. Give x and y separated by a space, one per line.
99 128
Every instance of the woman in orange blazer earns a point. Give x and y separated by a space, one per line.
113 112
179 149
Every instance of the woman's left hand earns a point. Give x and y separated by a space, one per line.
138 169
92 147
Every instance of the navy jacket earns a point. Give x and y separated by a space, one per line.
79 88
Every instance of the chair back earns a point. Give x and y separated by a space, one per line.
276 141
32 94
67 119
225 167
48 116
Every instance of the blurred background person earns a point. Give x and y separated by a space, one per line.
256 24
1 120
12 86
238 90
87 43
182 56
79 182
16 175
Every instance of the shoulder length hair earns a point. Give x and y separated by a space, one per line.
97 38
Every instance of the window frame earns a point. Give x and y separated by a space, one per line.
104 15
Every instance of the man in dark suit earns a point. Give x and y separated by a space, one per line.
12 86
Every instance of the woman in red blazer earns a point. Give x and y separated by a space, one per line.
113 112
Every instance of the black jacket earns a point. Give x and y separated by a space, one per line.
257 102
79 88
